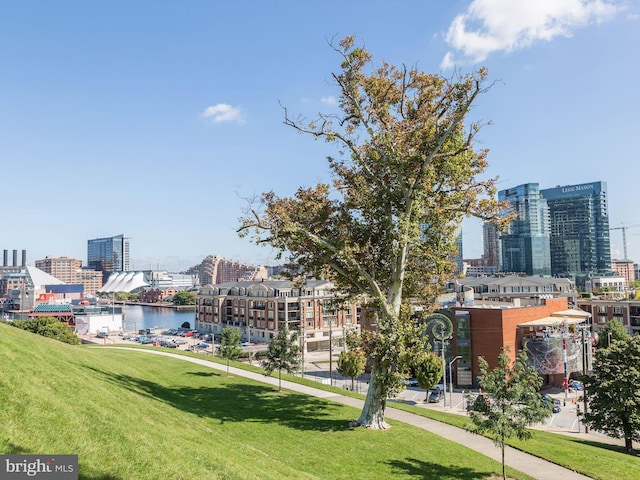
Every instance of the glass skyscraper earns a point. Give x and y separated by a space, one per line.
109 254
579 219
524 247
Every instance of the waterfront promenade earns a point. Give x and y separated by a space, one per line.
183 308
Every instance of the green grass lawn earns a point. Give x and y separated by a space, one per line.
596 460
134 416
129 416
593 459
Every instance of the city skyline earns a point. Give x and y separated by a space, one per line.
158 120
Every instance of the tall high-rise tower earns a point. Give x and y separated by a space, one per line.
580 243
525 245
490 241
109 254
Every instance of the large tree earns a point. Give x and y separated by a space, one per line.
613 391
513 400
385 230
184 298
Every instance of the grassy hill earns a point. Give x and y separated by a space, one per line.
128 415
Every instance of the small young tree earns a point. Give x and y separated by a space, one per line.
230 344
283 353
514 402
428 369
186 325
351 363
613 391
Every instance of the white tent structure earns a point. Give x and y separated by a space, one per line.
124 282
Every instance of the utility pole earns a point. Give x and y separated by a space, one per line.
584 372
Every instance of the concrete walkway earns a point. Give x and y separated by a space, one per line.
529 464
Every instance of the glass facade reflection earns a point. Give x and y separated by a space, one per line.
579 218
525 247
109 254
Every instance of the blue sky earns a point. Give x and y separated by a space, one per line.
154 119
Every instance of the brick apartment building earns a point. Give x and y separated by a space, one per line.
258 308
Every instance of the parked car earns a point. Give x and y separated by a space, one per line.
188 333
102 335
168 343
412 382
576 385
434 395
556 409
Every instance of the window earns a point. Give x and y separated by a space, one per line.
617 310
602 319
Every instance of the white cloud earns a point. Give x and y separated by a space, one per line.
223 113
329 100
490 26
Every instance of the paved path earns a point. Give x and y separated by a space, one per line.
529 464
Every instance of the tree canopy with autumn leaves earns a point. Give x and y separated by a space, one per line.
384 231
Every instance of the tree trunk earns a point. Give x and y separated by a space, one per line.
628 437
504 468
372 415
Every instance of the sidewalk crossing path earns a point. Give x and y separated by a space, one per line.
524 462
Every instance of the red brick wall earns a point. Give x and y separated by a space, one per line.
493 328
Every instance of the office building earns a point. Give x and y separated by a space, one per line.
624 268
579 238
109 254
63 268
70 271
525 246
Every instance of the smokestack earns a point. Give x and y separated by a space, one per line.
24 258
15 258
5 258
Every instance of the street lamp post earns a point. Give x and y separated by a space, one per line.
444 376
451 380
330 349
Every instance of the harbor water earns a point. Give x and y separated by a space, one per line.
139 317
